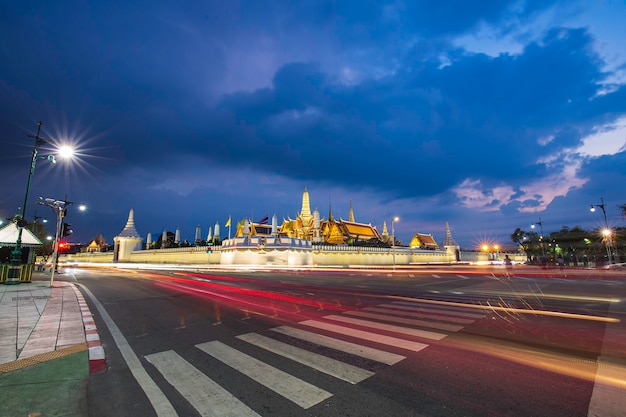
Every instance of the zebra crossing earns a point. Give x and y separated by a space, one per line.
385 334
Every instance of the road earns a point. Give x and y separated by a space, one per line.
423 342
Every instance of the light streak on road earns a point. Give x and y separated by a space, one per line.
614 374
509 309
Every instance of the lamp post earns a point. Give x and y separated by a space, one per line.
60 209
607 231
532 225
20 219
393 240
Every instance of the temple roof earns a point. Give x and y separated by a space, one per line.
420 240
361 230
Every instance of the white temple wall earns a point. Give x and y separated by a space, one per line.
379 258
190 255
239 253
279 257
125 246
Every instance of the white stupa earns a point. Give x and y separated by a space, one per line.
127 241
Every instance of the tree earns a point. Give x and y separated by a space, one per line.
530 242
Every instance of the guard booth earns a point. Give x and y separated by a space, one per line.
8 237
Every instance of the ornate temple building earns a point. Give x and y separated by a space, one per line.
331 231
423 241
310 226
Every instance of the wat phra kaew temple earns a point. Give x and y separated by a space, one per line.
307 240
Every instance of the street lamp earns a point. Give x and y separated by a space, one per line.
60 209
532 226
20 218
393 240
607 231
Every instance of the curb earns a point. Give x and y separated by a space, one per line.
97 359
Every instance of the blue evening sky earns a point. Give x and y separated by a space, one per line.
490 115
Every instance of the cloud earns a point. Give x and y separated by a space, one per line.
605 140
193 110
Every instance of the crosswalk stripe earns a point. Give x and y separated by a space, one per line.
457 311
360 334
404 320
407 313
377 355
462 276
389 327
290 387
329 366
205 395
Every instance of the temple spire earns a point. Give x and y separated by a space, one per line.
351 215
385 232
129 229
330 211
449 240
306 207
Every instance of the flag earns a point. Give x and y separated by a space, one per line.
265 219
227 222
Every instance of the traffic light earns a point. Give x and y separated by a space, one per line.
63 247
66 229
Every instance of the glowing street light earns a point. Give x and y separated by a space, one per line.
607 230
20 219
532 226
393 240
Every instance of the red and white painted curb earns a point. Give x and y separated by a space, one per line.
97 360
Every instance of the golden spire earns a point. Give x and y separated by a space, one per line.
306 207
385 232
351 216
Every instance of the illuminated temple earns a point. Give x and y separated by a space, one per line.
310 226
306 240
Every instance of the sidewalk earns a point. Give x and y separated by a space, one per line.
47 348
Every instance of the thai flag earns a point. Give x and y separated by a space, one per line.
264 220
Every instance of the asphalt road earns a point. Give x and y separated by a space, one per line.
425 342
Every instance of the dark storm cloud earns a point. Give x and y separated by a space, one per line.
491 111
370 97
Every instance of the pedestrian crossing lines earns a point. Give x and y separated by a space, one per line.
338 369
377 333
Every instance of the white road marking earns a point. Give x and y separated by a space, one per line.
329 366
294 389
389 327
404 320
360 334
608 398
419 314
450 310
160 403
377 355
205 395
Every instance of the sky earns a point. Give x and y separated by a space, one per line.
488 115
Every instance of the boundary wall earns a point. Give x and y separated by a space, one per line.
254 250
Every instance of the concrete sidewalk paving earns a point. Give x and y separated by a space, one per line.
48 346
